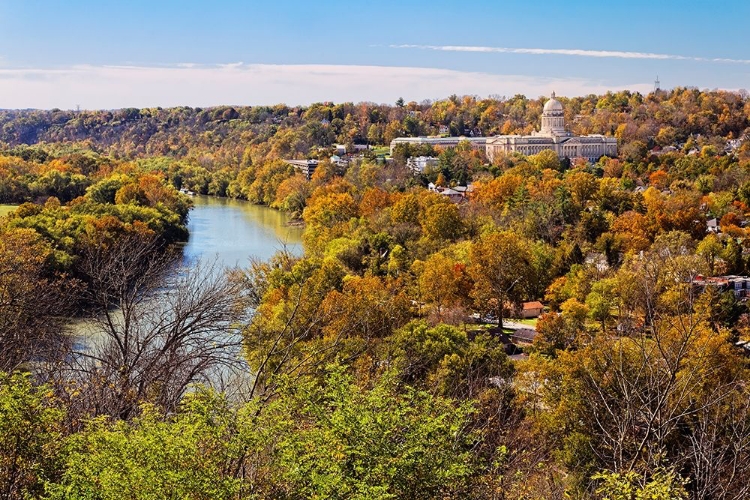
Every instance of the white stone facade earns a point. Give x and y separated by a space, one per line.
553 136
418 164
441 142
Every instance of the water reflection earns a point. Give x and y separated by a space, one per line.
223 233
234 230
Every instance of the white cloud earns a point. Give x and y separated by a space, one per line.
107 87
570 52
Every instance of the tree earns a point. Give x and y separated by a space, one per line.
443 358
342 441
171 327
292 195
327 211
194 453
501 268
632 231
560 332
582 186
711 250
732 255
636 400
442 221
366 308
663 485
305 317
600 301
443 282
546 159
30 437
499 191
33 301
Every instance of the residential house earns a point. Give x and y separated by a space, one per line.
739 285
457 194
526 310
531 309
452 194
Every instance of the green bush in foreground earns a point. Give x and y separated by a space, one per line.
30 437
329 439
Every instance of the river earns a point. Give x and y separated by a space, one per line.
234 231
228 231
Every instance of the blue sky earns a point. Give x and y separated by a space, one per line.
101 54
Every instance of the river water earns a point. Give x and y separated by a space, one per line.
234 231
227 232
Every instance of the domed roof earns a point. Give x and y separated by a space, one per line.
553 105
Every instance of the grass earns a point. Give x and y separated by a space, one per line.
6 209
382 150
527 321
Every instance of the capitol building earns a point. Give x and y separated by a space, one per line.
553 136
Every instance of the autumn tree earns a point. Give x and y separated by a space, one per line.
31 431
33 301
711 250
442 222
500 265
443 282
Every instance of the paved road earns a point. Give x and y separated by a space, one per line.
517 326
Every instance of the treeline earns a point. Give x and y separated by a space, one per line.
233 136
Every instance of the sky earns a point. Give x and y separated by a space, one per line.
139 53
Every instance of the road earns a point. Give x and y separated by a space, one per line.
512 325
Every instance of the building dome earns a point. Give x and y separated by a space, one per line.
553 105
553 119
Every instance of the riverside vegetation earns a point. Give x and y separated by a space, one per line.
367 376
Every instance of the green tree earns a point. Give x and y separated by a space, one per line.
192 454
444 358
341 441
546 159
662 485
600 301
442 222
732 255
30 437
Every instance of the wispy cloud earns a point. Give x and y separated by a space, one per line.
108 87
570 52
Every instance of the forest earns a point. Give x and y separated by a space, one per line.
374 365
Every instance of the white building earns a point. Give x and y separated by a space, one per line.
442 142
553 136
418 164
